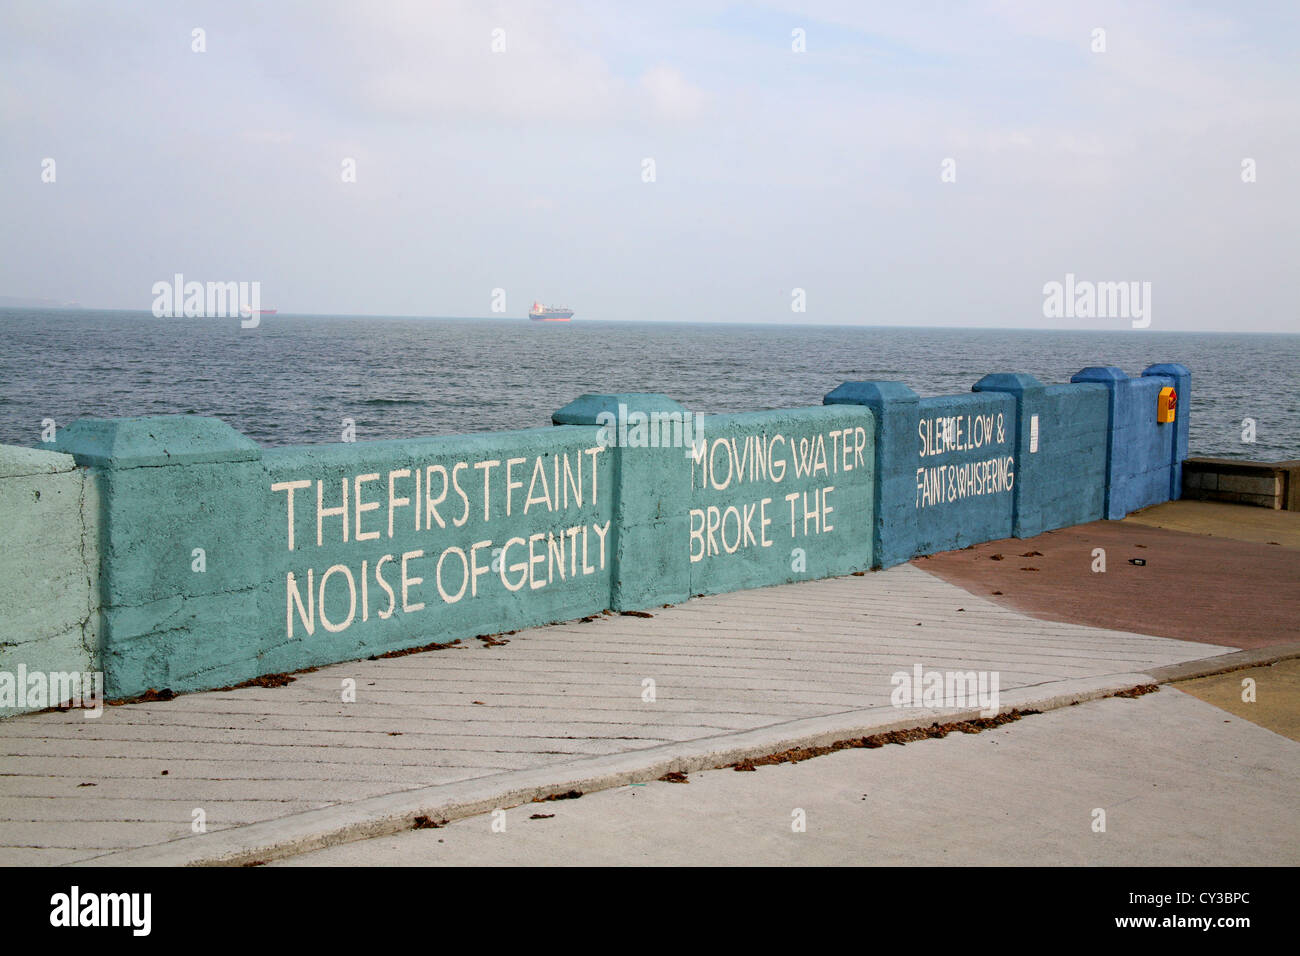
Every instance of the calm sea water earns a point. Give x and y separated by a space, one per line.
294 379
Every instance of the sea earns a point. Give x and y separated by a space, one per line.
295 379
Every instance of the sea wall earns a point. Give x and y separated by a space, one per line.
1062 474
173 552
49 568
1140 451
222 561
1264 484
781 496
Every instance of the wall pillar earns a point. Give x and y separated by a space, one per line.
896 412
650 524
1030 467
181 512
1111 377
1143 457
1182 421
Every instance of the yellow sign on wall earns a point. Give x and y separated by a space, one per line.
1167 405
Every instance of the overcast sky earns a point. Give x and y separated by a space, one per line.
774 169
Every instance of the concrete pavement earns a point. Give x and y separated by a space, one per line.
280 770
1273 701
1177 782
1218 519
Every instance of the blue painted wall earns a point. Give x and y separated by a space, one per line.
1060 450
1073 453
1144 457
947 467
965 469
1064 482
895 414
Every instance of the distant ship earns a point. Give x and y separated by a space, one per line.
542 313
247 311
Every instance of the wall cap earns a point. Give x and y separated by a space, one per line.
1100 373
154 440
19 462
585 409
871 393
1237 466
1167 368
1015 382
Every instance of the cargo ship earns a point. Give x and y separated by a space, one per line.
543 313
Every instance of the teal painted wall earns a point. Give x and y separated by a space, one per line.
709 509
489 532
781 496
202 587
173 552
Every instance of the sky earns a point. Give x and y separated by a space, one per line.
919 163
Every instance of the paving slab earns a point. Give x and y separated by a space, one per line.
1220 519
274 769
1268 696
1028 794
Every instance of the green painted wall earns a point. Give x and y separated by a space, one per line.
49 566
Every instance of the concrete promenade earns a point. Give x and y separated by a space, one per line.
279 770
1025 794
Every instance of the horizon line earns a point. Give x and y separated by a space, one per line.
280 313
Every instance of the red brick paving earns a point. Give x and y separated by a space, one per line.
1193 587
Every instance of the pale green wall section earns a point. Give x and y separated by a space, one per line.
49 565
